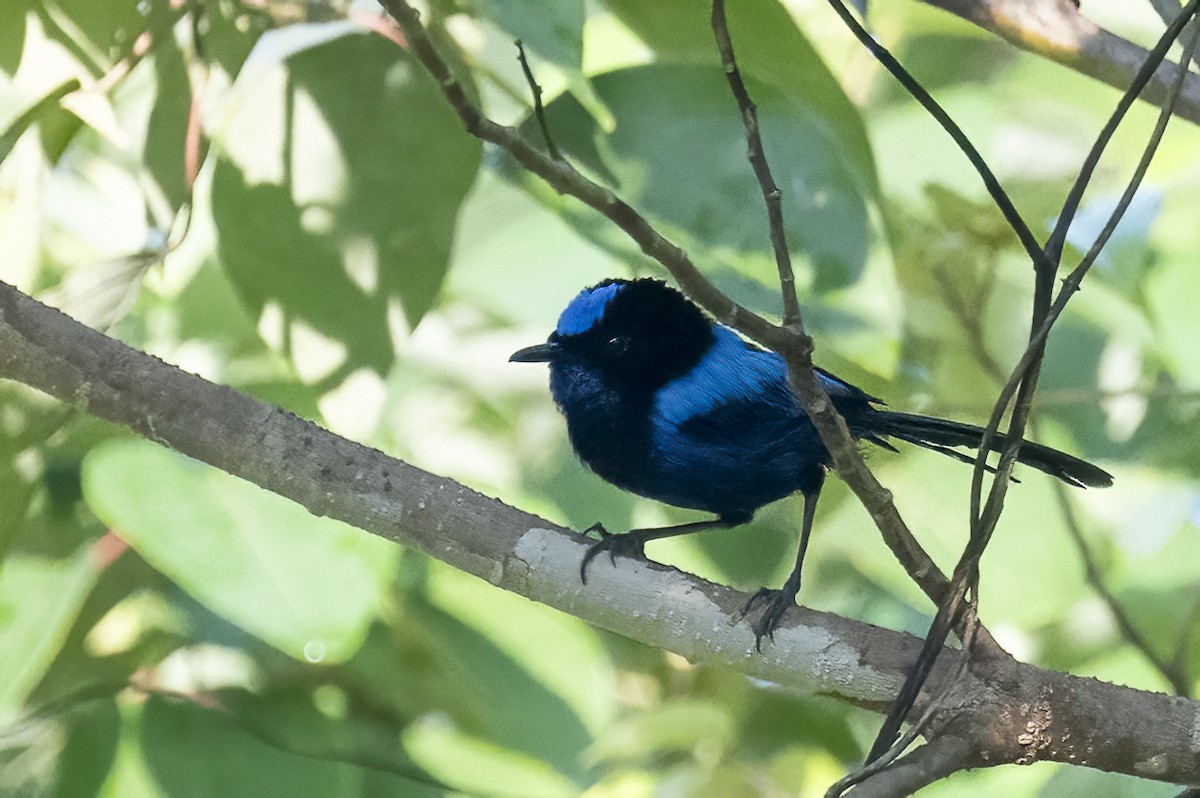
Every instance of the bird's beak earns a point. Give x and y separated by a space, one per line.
542 353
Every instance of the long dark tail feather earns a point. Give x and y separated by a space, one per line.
939 433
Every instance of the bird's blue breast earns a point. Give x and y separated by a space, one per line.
608 427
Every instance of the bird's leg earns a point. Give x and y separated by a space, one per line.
777 602
632 543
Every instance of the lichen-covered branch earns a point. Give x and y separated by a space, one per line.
1012 712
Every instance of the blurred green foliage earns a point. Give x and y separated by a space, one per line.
279 200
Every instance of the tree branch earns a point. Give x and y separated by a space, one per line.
1015 712
794 346
944 755
762 170
1024 377
1056 30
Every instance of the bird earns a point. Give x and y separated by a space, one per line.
666 403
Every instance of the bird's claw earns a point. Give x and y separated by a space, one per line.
628 545
777 602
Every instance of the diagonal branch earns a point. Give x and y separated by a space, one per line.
1099 725
944 755
567 180
956 133
795 347
1024 378
762 170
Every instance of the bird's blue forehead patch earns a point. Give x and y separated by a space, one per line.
587 309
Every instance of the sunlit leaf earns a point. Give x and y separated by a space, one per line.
39 600
336 199
678 153
97 30
770 49
167 130
12 33
556 37
427 666
309 586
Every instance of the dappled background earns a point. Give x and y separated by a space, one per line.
278 199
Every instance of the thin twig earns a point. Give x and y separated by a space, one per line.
1170 671
944 620
1028 241
539 110
658 606
565 179
1154 58
1024 376
947 753
794 347
1043 324
1058 32
762 170
873 766
1023 380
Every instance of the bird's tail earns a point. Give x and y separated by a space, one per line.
939 434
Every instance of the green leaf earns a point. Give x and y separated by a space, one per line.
429 666
97 31
197 753
769 48
309 586
124 625
569 668
480 768
324 723
678 154
553 34
671 727
336 199
45 109
167 130
233 31
90 748
12 34
33 624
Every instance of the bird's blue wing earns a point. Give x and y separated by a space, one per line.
731 371
729 436
735 371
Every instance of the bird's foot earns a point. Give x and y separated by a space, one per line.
774 604
628 545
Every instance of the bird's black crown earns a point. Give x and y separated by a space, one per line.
641 332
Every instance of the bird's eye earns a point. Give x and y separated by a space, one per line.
617 345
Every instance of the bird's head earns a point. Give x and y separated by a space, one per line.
635 332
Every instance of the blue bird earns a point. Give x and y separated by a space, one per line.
664 402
